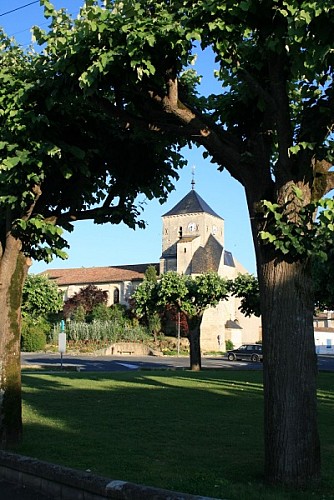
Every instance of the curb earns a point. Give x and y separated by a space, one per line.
63 483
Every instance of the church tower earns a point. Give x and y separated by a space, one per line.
193 243
193 238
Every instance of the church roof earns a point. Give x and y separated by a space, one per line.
94 275
208 258
190 204
233 325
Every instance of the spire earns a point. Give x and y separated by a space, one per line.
193 177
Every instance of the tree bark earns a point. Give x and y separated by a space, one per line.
13 270
292 449
194 328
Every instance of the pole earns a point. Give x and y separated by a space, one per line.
62 342
178 333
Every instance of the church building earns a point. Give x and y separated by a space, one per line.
192 243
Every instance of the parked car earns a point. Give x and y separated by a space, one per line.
248 352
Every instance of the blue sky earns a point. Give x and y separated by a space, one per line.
108 245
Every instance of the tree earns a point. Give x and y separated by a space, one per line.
143 302
119 70
187 294
86 299
270 127
151 274
40 297
41 301
63 158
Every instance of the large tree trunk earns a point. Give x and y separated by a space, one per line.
292 450
194 329
13 270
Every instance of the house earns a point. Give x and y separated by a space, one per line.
324 332
192 243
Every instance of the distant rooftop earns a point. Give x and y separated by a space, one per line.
192 203
90 275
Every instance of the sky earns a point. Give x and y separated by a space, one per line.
113 245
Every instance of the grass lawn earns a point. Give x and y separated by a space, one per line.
199 433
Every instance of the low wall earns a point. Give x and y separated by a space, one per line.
63 483
128 348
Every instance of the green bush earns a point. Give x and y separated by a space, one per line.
34 334
100 312
229 345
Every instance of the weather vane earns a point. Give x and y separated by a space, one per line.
193 177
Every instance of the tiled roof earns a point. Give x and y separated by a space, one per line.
192 203
83 275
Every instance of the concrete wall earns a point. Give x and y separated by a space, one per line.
63 483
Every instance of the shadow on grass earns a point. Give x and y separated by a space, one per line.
199 433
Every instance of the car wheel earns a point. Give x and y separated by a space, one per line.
255 357
231 357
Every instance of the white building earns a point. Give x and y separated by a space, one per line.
324 332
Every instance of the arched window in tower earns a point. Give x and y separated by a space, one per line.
116 296
180 232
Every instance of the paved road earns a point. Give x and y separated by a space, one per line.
124 363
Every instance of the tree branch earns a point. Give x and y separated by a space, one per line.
114 214
330 182
278 85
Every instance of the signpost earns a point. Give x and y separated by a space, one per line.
62 341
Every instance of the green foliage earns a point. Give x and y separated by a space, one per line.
100 69
303 235
119 313
246 287
41 296
109 331
100 312
154 324
229 345
34 334
151 274
323 279
145 299
79 313
191 295
64 154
